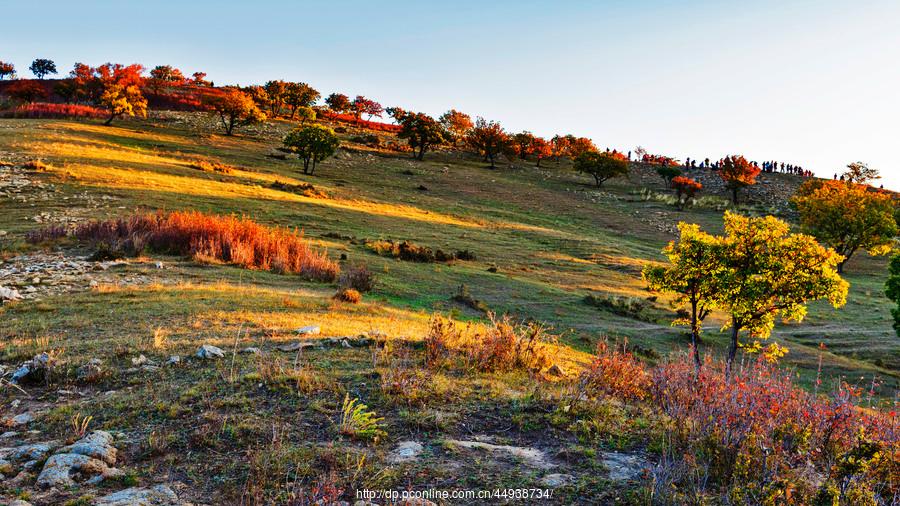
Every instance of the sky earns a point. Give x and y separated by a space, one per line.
813 83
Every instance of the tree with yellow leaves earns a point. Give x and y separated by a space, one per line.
768 272
694 264
123 100
757 272
847 216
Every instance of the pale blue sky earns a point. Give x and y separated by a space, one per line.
808 82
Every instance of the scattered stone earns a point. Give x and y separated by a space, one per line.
158 495
20 502
530 456
90 371
209 351
309 330
139 360
97 444
251 349
35 370
174 360
405 452
61 470
9 294
88 459
9 434
557 480
625 466
22 419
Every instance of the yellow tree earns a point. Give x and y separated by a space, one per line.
123 100
695 262
848 217
768 272
235 108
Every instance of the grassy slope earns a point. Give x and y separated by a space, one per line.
552 238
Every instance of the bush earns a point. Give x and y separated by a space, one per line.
756 437
357 277
212 238
210 166
628 307
44 110
498 347
615 372
348 295
412 252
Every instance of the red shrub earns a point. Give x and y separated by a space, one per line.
46 110
758 436
615 372
238 241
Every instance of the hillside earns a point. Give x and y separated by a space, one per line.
228 429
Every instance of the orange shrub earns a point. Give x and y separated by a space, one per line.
348 295
205 237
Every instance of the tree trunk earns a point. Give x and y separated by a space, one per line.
109 120
734 195
732 349
695 337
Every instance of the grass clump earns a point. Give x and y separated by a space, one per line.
360 423
497 347
210 166
348 295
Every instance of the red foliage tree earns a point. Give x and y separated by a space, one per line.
737 173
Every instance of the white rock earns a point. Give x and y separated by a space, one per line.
405 452
158 495
309 330
557 480
251 349
209 351
98 444
9 294
139 360
22 419
60 470
296 346
174 360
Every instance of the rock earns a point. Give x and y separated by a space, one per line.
8 434
98 444
139 360
35 370
22 419
530 456
299 345
9 294
173 360
90 371
309 330
209 351
61 469
251 349
19 502
405 452
346 344
6 468
557 480
625 466
158 495
29 452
